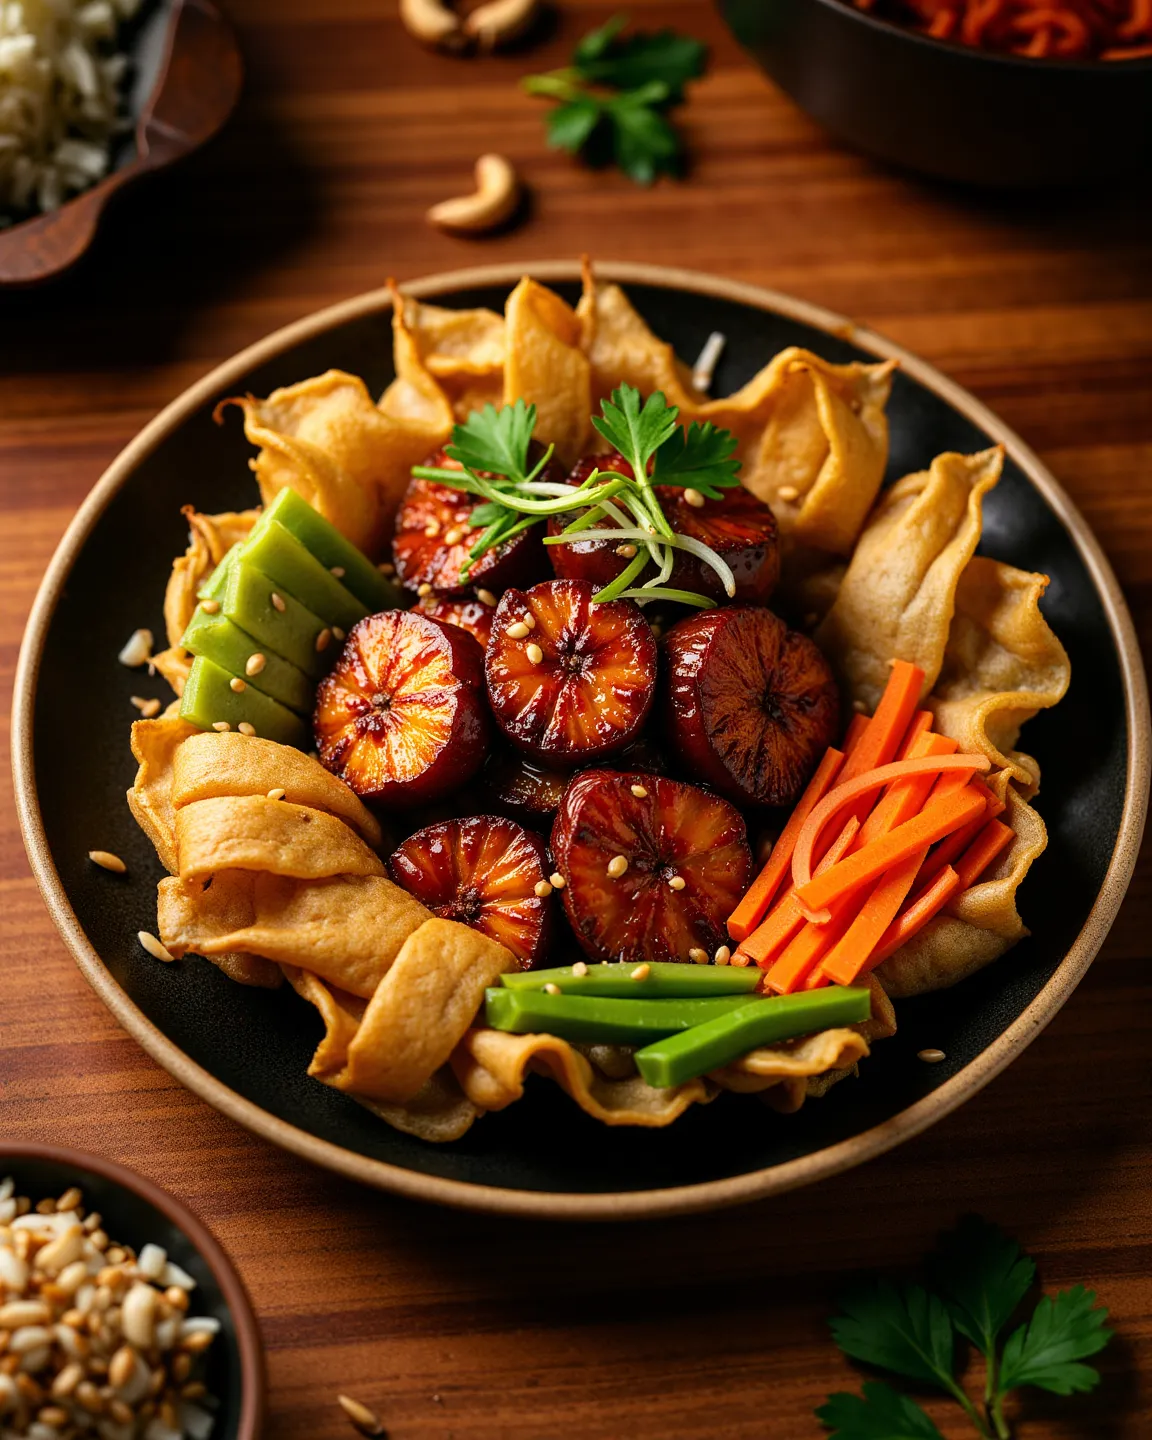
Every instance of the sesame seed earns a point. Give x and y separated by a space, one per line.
221 726
542 889
337 632
423 589
246 728
278 602
534 653
698 956
676 882
431 530
639 791
617 866
517 630
107 861
859 706
694 498
255 664
627 551
486 597
153 946
788 492
277 793
148 708
931 1057
579 968
323 640
386 568
365 1420
454 536
551 989
642 971
530 620
210 607
557 881
723 955
338 571
137 650
237 684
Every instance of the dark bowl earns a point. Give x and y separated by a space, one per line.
950 110
247 1051
136 1211
184 82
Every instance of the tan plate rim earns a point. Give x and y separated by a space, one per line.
641 1204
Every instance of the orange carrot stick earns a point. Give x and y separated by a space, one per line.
992 841
915 916
920 724
804 953
905 798
946 852
849 957
754 906
851 790
886 729
938 818
786 917
852 736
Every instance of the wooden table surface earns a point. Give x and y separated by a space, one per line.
709 1327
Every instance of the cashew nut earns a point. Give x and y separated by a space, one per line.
495 198
500 21
432 22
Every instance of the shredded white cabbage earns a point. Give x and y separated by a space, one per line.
60 107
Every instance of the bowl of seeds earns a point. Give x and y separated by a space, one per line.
121 1318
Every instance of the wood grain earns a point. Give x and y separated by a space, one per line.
699 1328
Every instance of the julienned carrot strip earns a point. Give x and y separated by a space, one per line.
851 954
754 906
916 915
854 733
905 798
786 917
804 953
946 852
886 729
996 806
992 841
920 724
872 780
938 818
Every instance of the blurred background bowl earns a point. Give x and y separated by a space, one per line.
136 1211
950 110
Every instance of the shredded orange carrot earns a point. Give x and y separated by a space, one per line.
938 818
991 842
856 728
1060 29
882 735
754 906
905 798
852 954
946 852
872 780
804 953
916 915
920 724
786 917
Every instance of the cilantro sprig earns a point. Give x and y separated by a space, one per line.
493 447
615 97
980 1278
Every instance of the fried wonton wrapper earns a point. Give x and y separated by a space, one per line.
251 832
194 917
898 596
545 366
463 349
154 744
211 765
347 929
813 436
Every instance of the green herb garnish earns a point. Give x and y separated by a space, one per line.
493 447
981 1278
615 96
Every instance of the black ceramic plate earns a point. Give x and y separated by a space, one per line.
247 1051
136 1211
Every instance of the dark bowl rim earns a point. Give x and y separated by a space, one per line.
253 1374
1138 64
639 1204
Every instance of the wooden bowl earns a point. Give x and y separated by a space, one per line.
137 1211
188 76
247 1051
952 110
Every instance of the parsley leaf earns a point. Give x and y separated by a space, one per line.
495 440
701 460
880 1414
614 98
1064 1329
907 1330
636 430
983 1276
